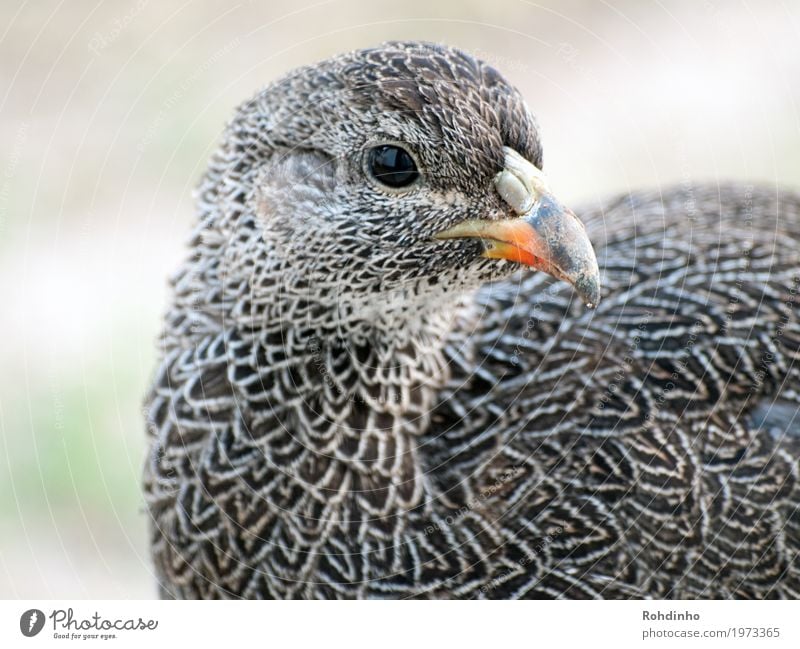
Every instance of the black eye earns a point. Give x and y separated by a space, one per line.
392 166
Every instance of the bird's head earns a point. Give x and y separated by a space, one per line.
390 175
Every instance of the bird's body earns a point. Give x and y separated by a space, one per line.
333 429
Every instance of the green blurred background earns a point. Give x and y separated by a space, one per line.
110 109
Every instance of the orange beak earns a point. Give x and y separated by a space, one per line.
547 236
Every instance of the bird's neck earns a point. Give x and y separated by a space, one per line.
384 350
357 398
380 365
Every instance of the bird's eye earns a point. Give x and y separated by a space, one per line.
392 165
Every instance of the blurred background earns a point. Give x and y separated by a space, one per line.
109 110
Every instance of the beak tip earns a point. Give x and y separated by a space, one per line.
589 291
587 284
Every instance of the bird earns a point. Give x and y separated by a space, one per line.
394 365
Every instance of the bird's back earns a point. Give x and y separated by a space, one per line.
649 447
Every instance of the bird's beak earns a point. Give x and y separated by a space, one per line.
546 236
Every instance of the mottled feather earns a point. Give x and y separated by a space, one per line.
344 410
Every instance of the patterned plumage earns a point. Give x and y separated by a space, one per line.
345 408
